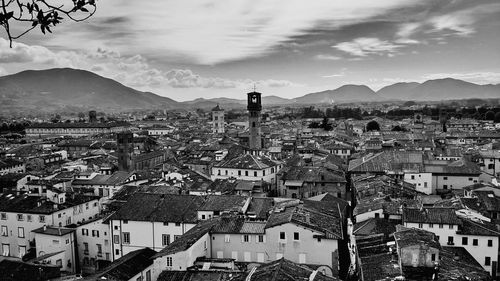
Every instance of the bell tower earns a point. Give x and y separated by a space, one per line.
254 108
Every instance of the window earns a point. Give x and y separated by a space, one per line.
99 250
177 224
260 238
440 225
116 227
487 261
20 232
445 178
282 236
490 243
475 242
450 226
95 233
41 219
169 261
125 221
412 177
165 223
5 250
246 238
450 240
431 225
420 225
85 248
296 236
246 173
117 252
3 216
148 275
227 238
5 230
165 239
20 217
254 174
465 240
433 257
22 251
263 172
126 237
239 173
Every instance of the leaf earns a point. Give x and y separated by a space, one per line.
42 27
9 15
84 9
48 29
35 22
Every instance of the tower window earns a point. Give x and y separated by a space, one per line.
253 124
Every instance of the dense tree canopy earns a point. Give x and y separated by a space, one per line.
27 15
372 126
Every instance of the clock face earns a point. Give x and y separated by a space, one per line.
254 99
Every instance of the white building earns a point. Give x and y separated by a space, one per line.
56 245
20 215
218 120
247 167
480 239
152 220
94 245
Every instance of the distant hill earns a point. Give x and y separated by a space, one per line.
346 93
65 88
53 89
439 89
233 103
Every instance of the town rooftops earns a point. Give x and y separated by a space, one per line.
160 208
117 178
470 227
8 163
237 225
460 167
78 125
430 215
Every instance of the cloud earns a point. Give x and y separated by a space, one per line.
461 22
474 77
326 57
213 32
364 46
133 71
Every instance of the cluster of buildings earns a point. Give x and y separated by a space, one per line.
199 197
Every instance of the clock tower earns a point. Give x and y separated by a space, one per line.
254 107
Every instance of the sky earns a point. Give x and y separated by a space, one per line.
223 48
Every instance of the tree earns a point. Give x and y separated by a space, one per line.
81 116
497 117
29 14
397 128
372 126
490 115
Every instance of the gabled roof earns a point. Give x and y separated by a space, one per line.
188 239
388 161
284 270
127 266
247 161
413 236
231 203
431 215
329 226
160 208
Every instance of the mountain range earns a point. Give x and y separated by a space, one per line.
65 88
